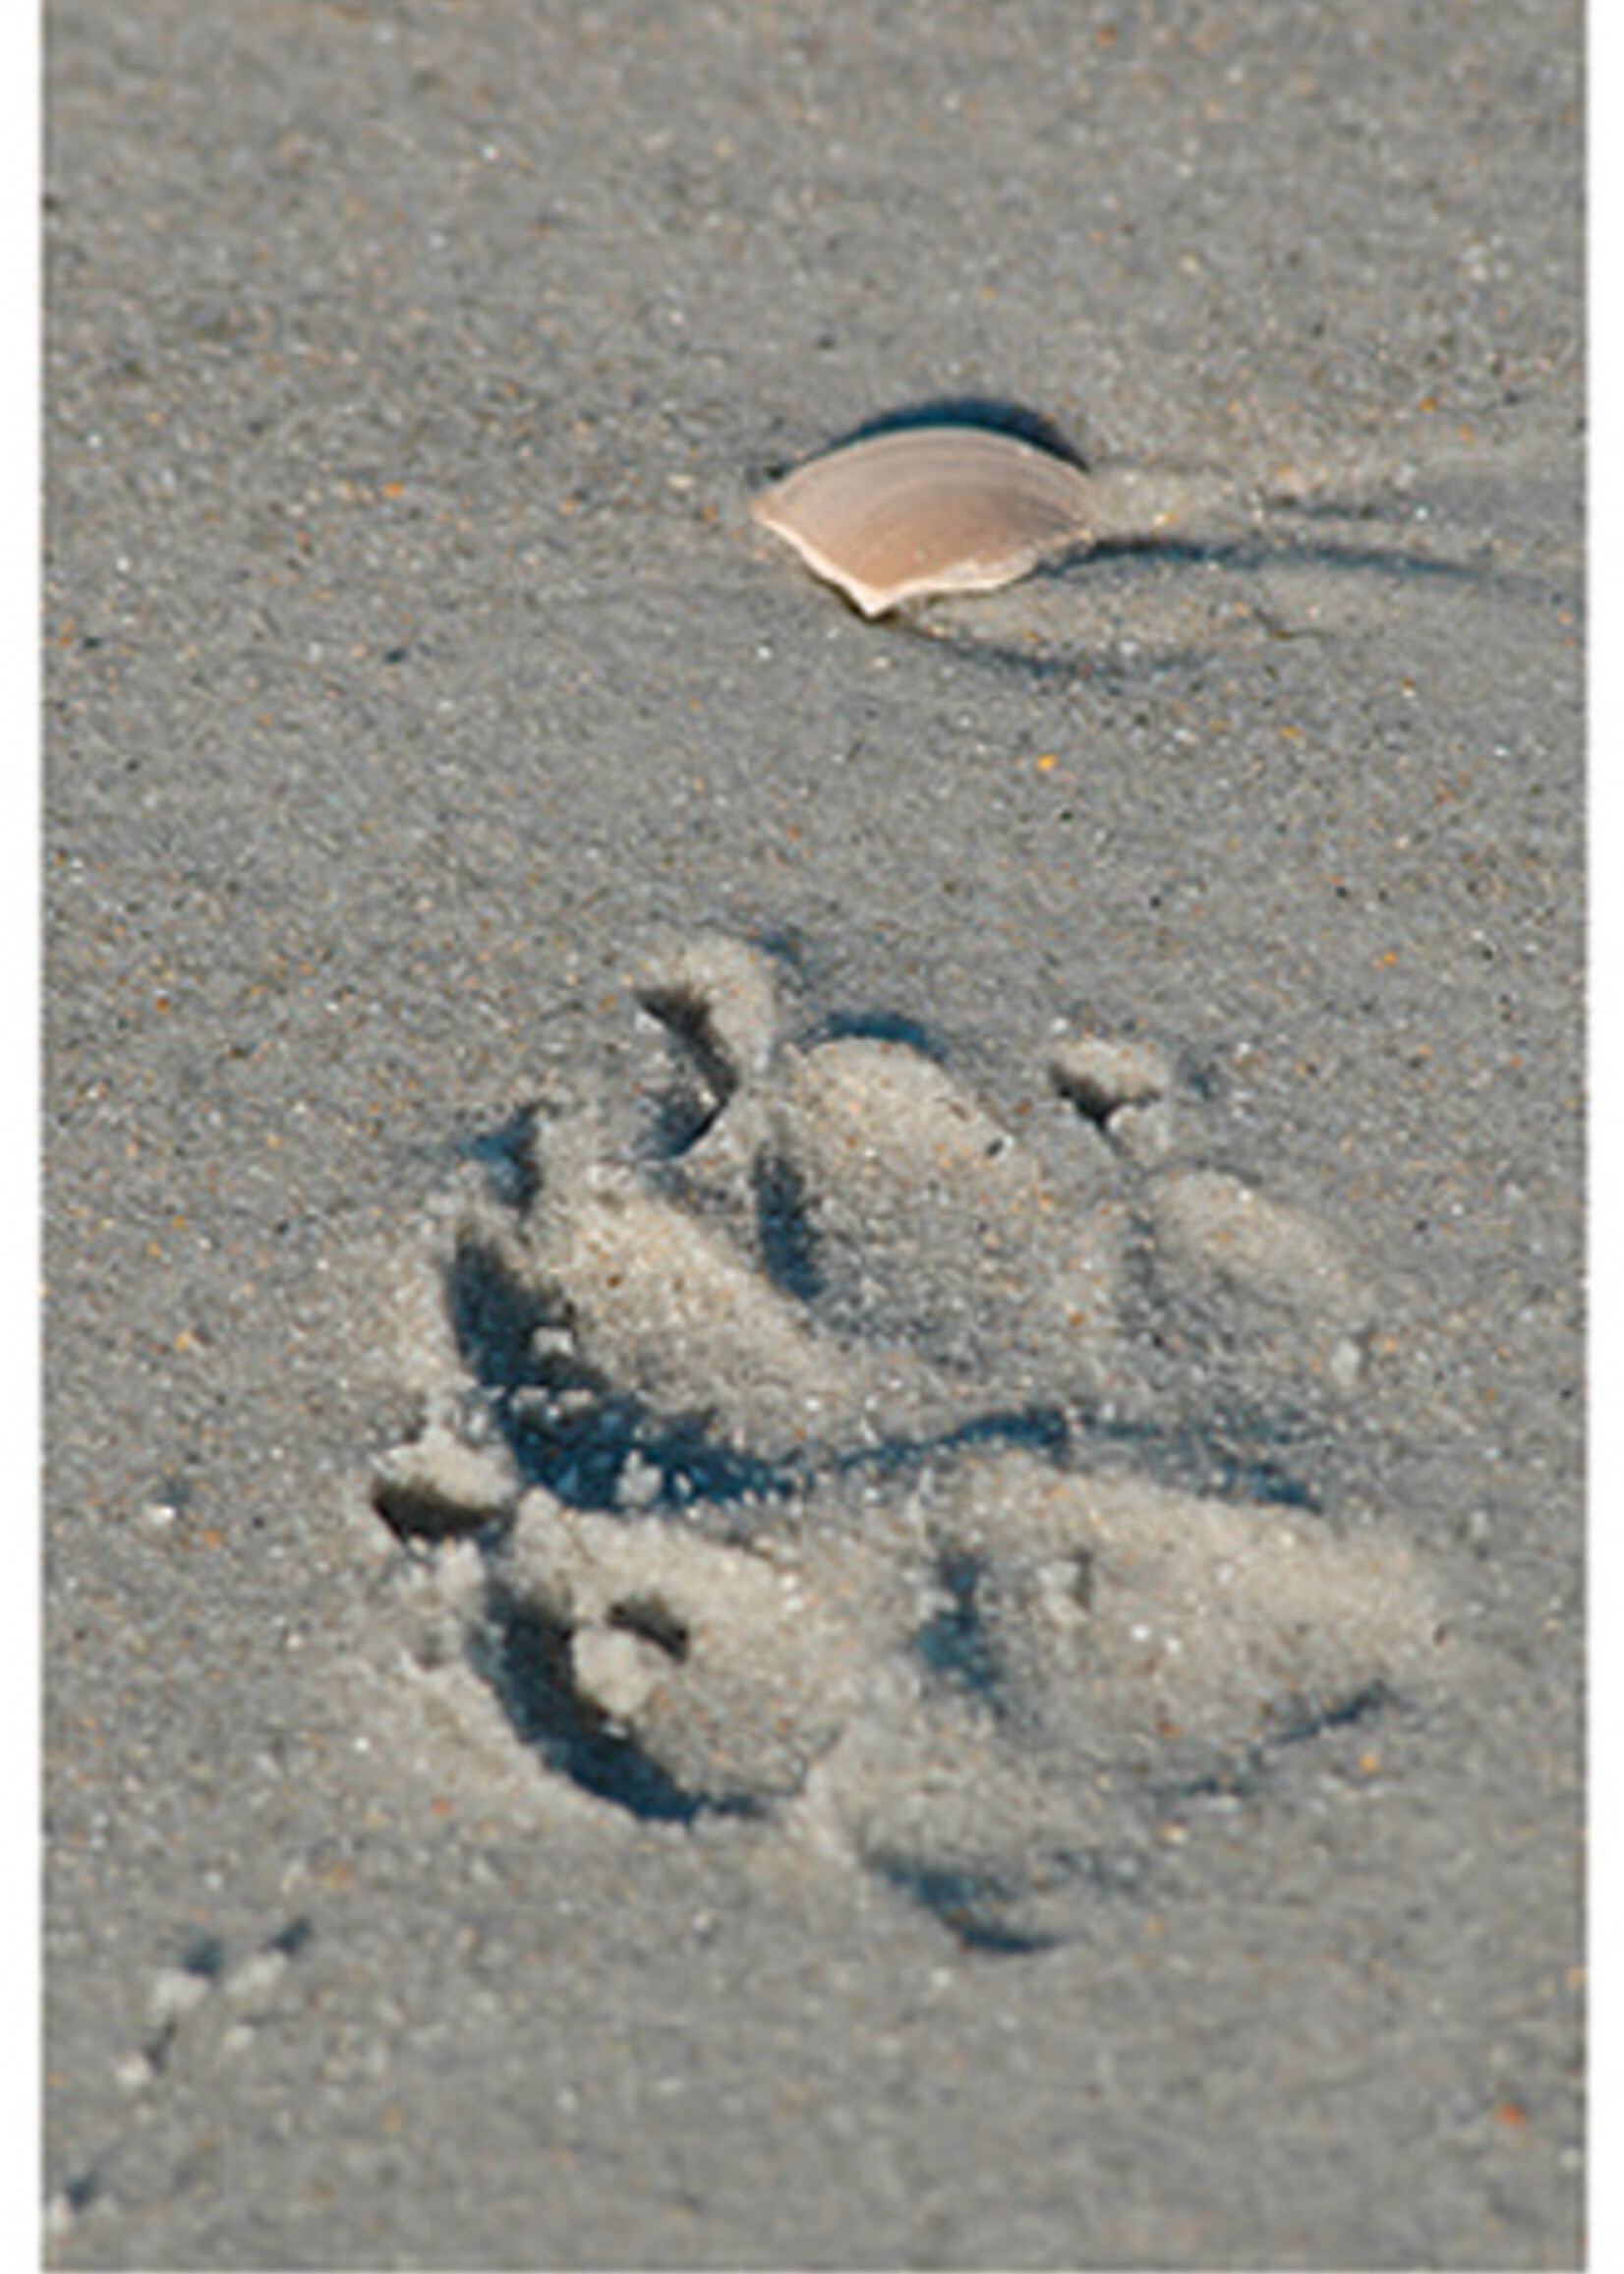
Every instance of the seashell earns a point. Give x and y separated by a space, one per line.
926 509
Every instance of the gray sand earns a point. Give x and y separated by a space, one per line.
416 675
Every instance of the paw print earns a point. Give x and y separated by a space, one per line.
821 1450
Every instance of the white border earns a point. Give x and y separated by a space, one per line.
1606 1086
20 1124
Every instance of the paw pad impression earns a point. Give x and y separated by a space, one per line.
801 1457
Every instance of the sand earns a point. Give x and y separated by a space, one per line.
642 1865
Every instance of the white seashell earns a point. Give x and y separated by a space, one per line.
927 509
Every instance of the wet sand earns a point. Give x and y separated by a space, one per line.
415 669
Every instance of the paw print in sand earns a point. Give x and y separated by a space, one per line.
821 1451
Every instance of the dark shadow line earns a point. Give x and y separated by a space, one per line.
1252 554
970 1903
995 414
579 1454
1238 556
880 1027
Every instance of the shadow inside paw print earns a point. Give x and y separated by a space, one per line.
817 1447
526 1656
